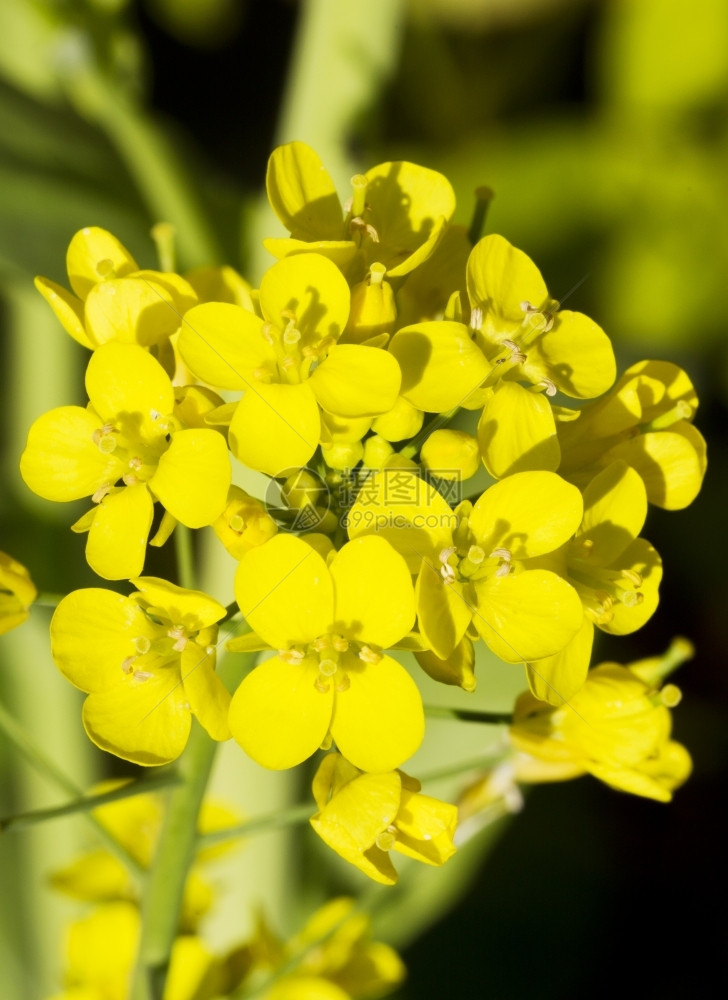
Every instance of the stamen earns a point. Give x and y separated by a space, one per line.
339 643
142 675
266 332
179 634
359 223
548 386
127 665
476 318
130 480
369 655
294 656
506 560
135 462
100 493
321 686
342 683
517 356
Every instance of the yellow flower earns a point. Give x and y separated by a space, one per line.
243 524
616 727
147 663
329 624
288 363
335 958
518 350
470 562
101 953
128 433
646 421
17 593
396 216
616 574
112 300
365 816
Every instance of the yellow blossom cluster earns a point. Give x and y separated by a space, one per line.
337 378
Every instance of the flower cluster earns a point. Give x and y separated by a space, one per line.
376 326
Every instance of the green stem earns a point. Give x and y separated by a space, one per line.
487 718
483 197
150 159
174 855
86 803
47 600
175 852
184 548
17 735
260 824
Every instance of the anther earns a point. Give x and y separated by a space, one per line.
130 480
548 386
100 493
179 634
294 656
369 655
266 331
339 643
135 462
476 318
142 675
127 665
506 557
517 356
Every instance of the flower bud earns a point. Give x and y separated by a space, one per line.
451 454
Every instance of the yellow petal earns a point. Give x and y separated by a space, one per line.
425 828
208 697
373 596
309 289
500 278
93 255
278 715
193 477
68 309
276 427
285 592
224 345
92 633
379 721
672 463
192 609
135 310
356 381
529 513
615 508
359 812
557 678
440 364
339 252
125 379
305 987
333 773
442 610
409 206
144 721
577 355
516 432
642 558
457 668
405 510
302 193
96 877
61 461
117 539
527 616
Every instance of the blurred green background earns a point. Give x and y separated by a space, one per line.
602 126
